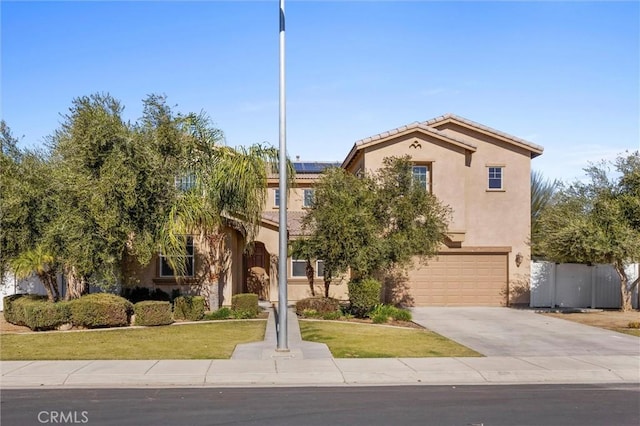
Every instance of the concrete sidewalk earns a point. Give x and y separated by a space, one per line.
311 364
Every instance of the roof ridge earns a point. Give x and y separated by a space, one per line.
410 126
486 128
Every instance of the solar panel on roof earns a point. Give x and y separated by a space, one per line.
315 167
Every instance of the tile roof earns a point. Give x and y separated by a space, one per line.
450 116
414 126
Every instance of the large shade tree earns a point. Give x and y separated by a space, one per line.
372 224
597 221
110 188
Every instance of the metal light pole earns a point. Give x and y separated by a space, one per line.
281 329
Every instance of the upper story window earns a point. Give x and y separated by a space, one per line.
307 200
422 175
185 182
167 271
496 177
276 198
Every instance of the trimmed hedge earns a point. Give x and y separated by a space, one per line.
46 315
153 312
364 295
14 307
245 305
189 308
319 305
101 310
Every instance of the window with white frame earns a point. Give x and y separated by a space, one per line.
320 268
298 268
276 198
422 175
496 177
167 271
307 201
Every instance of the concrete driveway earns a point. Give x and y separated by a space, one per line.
514 332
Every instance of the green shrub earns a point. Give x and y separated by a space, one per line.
245 305
190 308
364 295
382 313
309 313
14 307
319 305
336 315
101 310
153 312
402 315
45 315
221 314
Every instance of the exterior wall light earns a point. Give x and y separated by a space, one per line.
519 258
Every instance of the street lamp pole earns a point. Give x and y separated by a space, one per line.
281 329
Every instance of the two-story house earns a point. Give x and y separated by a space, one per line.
484 176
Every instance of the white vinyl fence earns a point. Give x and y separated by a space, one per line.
32 285
578 286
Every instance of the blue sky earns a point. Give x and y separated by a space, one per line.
564 75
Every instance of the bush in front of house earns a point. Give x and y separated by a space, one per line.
317 306
14 307
383 313
190 308
245 305
153 312
364 295
221 314
45 315
100 310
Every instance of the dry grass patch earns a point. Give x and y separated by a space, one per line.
189 341
611 320
353 340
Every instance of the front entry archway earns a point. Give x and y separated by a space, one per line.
256 271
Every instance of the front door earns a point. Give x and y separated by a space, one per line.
256 272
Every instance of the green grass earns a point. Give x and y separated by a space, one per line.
189 341
353 340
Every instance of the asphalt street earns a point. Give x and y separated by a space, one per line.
582 405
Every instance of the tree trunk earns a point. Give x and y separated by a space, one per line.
625 291
45 279
310 272
76 285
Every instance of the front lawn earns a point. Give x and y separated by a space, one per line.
189 341
354 340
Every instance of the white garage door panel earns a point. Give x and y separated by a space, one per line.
461 280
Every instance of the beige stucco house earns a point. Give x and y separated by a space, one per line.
484 176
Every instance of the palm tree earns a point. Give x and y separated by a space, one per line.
542 193
228 186
41 263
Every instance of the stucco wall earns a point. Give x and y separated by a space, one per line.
482 217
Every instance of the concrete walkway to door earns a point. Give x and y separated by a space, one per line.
519 332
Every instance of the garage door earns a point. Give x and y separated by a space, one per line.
461 280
